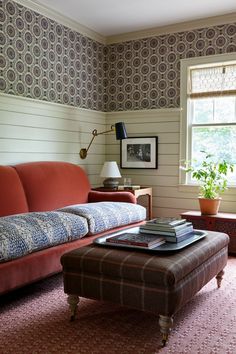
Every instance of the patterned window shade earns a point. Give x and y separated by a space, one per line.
213 81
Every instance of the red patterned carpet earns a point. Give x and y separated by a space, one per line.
35 320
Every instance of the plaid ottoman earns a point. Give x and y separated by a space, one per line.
160 283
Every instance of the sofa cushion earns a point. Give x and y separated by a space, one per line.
26 233
104 216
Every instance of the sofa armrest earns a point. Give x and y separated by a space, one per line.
95 196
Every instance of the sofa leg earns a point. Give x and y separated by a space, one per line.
219 278
165 323
73 301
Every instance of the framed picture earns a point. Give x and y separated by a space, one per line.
139 152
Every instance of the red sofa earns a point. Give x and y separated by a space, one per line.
45 186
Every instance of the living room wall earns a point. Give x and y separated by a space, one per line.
135 81
144 91
45 60
145 73
52 86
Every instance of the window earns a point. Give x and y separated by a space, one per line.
208 100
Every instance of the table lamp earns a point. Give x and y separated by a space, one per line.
111 172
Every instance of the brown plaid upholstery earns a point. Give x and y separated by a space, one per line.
159 283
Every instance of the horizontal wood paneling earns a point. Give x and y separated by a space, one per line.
32 130
168 199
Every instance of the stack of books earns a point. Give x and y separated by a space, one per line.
173 230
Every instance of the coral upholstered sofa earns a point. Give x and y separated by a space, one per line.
47 209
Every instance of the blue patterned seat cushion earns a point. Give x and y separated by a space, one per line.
22 234
102 216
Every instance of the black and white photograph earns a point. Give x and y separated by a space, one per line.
139 152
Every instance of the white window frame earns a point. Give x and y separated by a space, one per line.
185 140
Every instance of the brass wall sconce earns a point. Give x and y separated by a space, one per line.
118 128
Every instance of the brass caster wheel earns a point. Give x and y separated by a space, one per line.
164 339
163 343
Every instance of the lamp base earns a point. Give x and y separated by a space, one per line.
110 183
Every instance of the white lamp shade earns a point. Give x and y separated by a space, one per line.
110 170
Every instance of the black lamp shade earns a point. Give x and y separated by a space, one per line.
120 131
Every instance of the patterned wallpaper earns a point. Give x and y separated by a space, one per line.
42 59
145 73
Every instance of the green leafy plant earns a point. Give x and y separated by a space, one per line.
212 176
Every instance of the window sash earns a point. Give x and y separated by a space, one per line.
186 65
212 94
215 111
230 146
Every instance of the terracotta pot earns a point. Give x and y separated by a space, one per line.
209 206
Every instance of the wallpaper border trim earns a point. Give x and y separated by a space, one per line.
173 28
21 101
151 32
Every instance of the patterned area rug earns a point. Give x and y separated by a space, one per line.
36 320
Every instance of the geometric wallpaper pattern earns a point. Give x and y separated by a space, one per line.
145 73
42 59
45 60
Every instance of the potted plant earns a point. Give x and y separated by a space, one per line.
212 177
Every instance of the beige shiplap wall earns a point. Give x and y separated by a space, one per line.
169 198
32 130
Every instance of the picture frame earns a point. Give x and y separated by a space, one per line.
139 152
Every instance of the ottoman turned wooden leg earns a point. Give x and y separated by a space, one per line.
73 301
219 278
165 323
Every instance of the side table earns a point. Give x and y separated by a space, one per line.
221 222
136 192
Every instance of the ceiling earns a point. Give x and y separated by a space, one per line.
112 17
